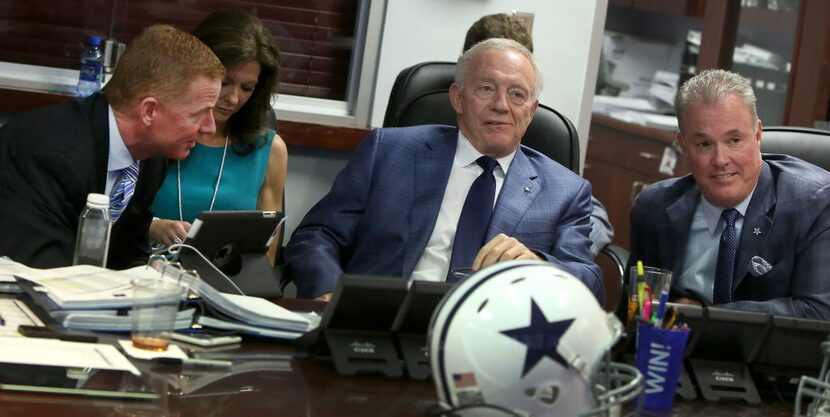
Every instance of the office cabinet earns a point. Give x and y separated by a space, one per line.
782 46
622 160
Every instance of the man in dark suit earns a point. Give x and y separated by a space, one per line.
156 104
394 208
744 230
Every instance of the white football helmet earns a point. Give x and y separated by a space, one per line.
816 391
527 338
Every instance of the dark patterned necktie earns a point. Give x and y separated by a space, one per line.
123 190
475 217
725 274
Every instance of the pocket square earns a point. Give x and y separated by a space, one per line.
759 266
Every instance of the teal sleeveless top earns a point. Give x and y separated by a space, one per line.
242 178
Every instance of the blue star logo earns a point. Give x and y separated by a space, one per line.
541 337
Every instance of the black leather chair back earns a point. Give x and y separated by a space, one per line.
811 145
420 95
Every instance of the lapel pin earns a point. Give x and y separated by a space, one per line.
757 231
527 189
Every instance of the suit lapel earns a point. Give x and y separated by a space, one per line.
680 215
521 186
759 217
433 163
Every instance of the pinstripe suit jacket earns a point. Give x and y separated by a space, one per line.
383 206
787 224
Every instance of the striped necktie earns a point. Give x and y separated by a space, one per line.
123 190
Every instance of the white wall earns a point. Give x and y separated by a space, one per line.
567 39
310 174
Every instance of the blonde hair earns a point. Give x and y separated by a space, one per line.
160 62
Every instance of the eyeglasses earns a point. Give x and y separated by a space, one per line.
516 96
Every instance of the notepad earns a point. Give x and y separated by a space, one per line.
52 352
16 313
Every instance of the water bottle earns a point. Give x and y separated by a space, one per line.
92 243
92 64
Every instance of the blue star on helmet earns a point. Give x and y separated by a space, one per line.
541 337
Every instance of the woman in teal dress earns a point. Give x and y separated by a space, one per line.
242 165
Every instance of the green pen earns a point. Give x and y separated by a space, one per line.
641 283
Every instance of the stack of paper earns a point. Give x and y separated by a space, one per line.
111 320
93 298
86 297
250 315
87 286
8 269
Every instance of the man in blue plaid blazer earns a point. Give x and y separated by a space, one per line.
389 211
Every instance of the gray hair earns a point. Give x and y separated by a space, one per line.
502 44
713 85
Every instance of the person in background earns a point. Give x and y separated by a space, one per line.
421 202
501 25
158 102
242 164
745 230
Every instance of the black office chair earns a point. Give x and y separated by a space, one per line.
811 145
420 95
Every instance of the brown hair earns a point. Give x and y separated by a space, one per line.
498 26
160 62
237 37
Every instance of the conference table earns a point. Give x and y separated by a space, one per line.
276 381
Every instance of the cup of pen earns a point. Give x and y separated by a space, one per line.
648 292
155 304
659 357
659 350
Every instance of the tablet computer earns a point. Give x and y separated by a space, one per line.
235 242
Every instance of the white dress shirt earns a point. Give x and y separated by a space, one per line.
119 156
435 261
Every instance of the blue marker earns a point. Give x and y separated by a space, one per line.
661 309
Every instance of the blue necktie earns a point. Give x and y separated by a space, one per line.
475 217
123 190
725 274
